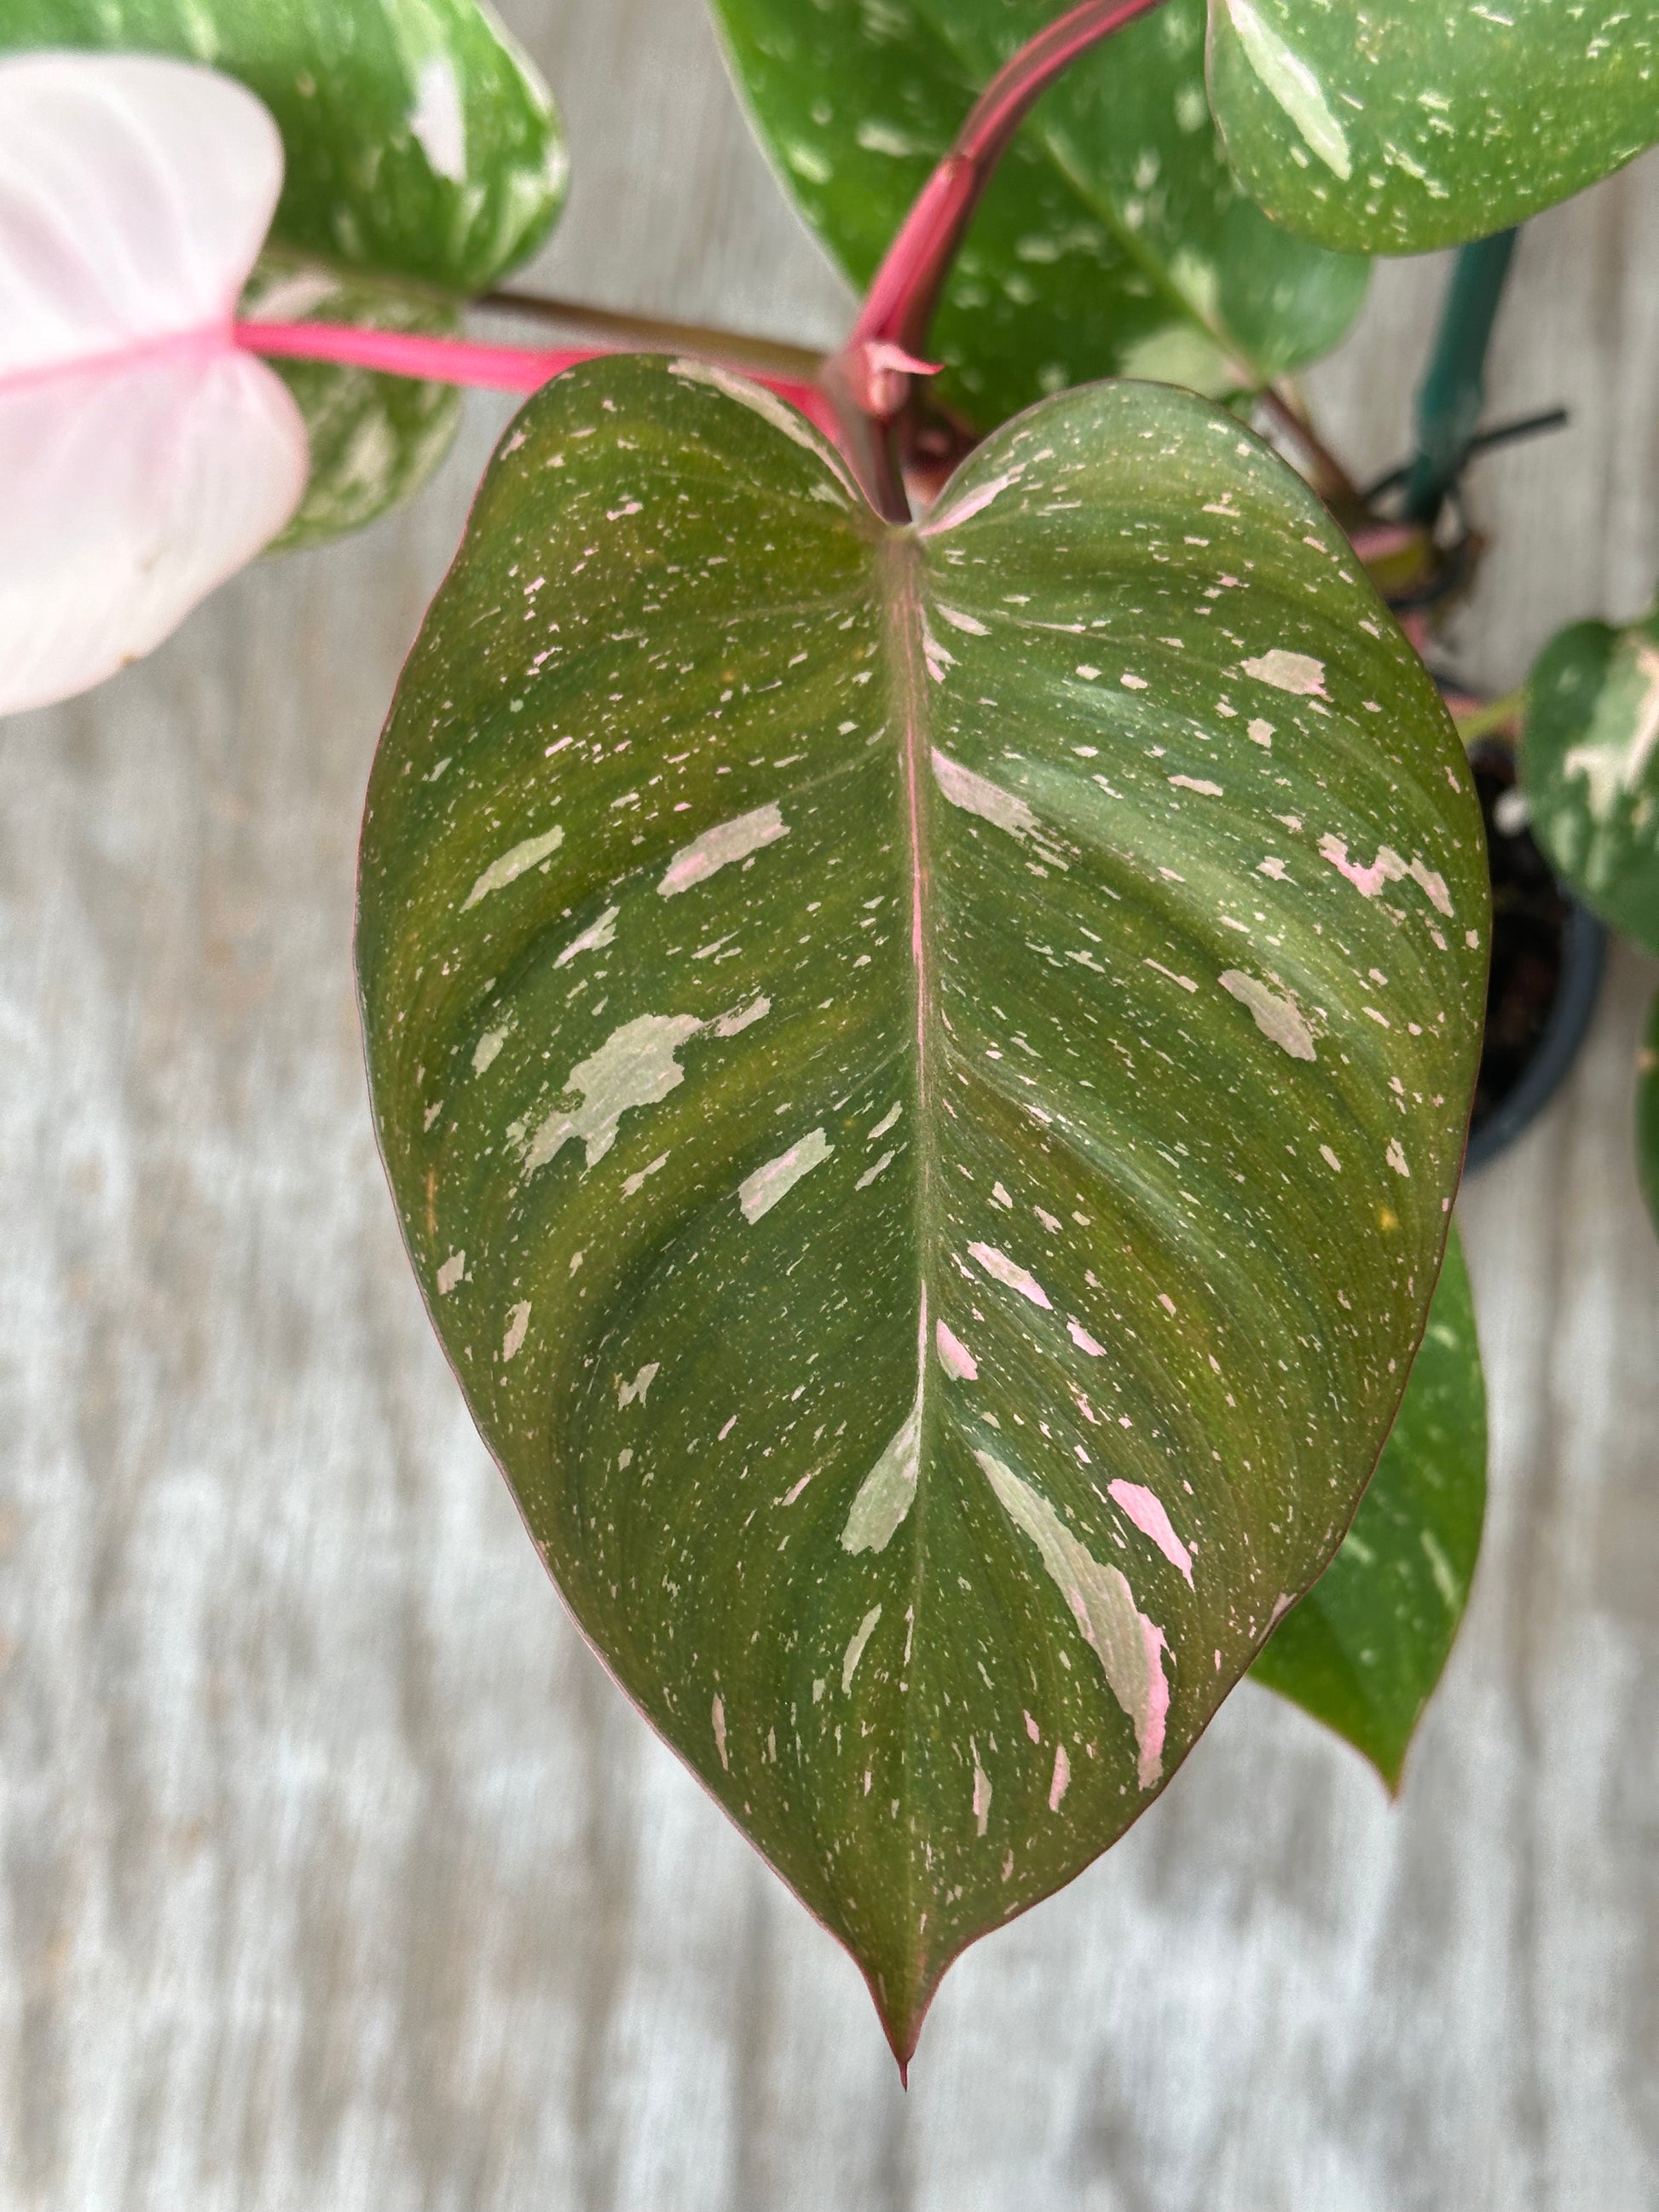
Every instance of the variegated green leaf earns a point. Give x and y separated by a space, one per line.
923 1071
1399 125
373 439
1113 240
1363 1650
421 144
1591 765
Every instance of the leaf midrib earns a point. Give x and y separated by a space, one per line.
899 569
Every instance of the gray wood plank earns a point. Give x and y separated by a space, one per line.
332 1870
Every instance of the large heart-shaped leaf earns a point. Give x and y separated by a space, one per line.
420 142
374 440
1591 765
1363 1650
923 1071
143 458
1401 126
1113 239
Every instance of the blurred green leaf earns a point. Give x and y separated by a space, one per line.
1113 240
1589 763
420 143
374 440
1399 126
1363 1650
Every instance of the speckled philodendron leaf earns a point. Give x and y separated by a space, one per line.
1396 126
1647 1115
373 439
1365 1647
420 142
923 1071
1113 240
1591 765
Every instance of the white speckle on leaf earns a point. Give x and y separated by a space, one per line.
885 1123
1387 868
1129 1646
977 794
518 1321
514 864
451 1273
1396 1157
1185 982
982 1793
1002 1269
890 139
634 1066
884 1495
1261 733
1330 1159
489 1045
1198 784
1062 1779
861 1636
1294 86
1445 1581
1622 732
759 1192
439 120
1145 1509
975 503
954 1355
1275 1016
633 1394
592 939
968 625
719 1730
1084 1341
634 1183
870 1173
1299 673
716 848
731 1025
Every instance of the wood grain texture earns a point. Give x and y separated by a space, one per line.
334 1872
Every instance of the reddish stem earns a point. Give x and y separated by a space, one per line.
404 352
899 303
459 360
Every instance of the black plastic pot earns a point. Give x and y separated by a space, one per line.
1548 955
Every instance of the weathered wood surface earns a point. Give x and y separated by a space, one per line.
335 1873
